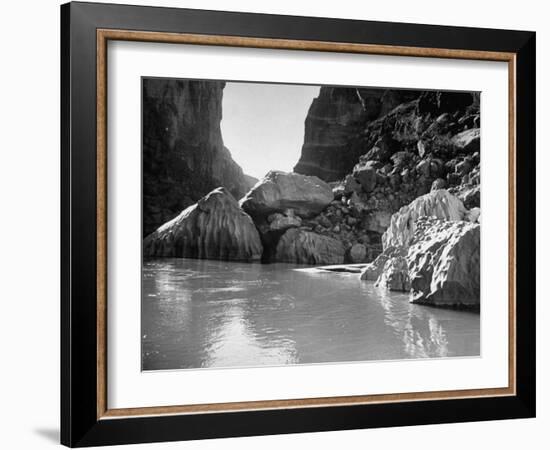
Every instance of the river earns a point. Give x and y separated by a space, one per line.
201 313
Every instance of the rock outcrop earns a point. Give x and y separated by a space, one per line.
348 223
183 153
357 253
431 250
381 149
365 174
282 205
372 271
334 118
335 121
439 203
278 222
280 191
395 275
343 220
304 247
468 140
272 227
213 228
444 263
376 167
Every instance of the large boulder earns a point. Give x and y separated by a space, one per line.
439 203
213 228
357 253
305 247
365 174
468 141
440 267
278 222
383 149
439 183
444 263
372 271
273 227
279 191
432 250
471 196
395 275
351 185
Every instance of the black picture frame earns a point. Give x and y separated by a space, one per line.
80 425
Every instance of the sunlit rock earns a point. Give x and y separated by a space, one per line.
373 270
473 215
213 228
279 191
444 263
440 204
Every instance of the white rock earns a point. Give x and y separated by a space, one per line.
279 191
213 228
444 263
439 203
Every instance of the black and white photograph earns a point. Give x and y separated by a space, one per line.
276 225
300 224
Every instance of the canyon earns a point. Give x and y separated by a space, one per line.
184 157
387 179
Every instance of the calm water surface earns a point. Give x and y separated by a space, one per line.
199 313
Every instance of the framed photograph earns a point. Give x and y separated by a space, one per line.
277 224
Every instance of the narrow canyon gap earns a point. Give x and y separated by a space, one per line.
363 204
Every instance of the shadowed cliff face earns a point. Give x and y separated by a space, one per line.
183 153
334 128
380 149
333 119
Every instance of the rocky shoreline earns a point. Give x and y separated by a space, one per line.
400 205
430 248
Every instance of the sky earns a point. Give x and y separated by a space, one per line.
263 124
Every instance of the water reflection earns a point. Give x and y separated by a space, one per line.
199 313
422 333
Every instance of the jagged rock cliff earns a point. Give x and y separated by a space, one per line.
183 153
334 126
394 143
432 250
439 203
444 263
213 228
382 149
